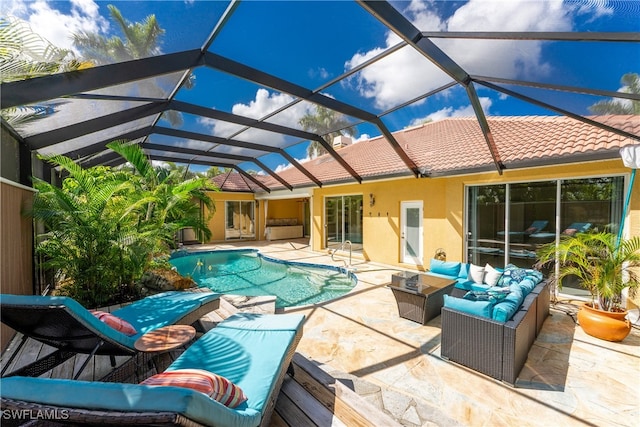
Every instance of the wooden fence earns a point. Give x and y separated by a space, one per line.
16 245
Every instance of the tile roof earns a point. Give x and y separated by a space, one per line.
457 145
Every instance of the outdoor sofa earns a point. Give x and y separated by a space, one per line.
490 327
252 351
66 325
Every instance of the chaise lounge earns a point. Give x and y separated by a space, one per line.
252 351
63 323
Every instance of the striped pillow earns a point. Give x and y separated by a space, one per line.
215 386
115 322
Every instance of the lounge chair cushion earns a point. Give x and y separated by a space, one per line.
159 310
115 322
124 397
215 386
246 349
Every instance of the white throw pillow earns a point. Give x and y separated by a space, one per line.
491 275
476 274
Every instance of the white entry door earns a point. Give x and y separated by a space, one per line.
411 239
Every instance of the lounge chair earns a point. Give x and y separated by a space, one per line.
572 229
535 227
253 351
63 323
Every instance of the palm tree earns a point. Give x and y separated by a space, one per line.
141 40
631 84
325 122
166 202
25 55
104 227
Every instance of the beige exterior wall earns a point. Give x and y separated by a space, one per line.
443 208
285 208
443 204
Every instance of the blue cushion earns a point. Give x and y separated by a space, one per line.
128 397
448 268
163 309
464 271
527 286
477 308
247 349
506 308
468 285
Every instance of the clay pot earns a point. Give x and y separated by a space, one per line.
606 325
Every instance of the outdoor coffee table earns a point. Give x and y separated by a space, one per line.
162 340
419 296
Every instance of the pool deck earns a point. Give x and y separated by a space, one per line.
570 378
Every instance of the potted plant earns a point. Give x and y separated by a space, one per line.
604 266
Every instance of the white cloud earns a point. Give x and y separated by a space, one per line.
444 113
284 166
406 73
264 103
55 26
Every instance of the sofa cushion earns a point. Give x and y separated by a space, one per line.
494 294
476 273
477 308
464 271
492 275
506 308
447 268
468 285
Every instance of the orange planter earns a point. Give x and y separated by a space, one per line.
606 325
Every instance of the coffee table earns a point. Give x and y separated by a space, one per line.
160 341
419 296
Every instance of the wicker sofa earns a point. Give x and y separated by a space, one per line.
489 338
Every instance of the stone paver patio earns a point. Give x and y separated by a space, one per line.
569 379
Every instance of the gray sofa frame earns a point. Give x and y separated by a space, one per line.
496 349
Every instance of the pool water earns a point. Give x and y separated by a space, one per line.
247 272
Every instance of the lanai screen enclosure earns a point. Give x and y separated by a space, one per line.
229 82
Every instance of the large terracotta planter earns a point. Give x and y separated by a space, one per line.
606 325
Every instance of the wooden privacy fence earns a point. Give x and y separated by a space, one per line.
16 245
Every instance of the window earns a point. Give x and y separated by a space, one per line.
506 223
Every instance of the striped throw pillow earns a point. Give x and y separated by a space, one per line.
115 322
215 386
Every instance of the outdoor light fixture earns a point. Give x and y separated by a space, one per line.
372 200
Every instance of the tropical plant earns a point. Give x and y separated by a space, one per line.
631 84
105 227
327 123
602 264
25 55
141 40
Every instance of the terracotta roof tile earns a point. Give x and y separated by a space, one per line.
457 145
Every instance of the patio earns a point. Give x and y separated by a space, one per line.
570 378
394 364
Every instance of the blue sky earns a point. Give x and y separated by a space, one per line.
310 43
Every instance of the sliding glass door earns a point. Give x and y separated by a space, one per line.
343 221
240 220
507 223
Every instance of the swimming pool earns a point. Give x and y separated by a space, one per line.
247 272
